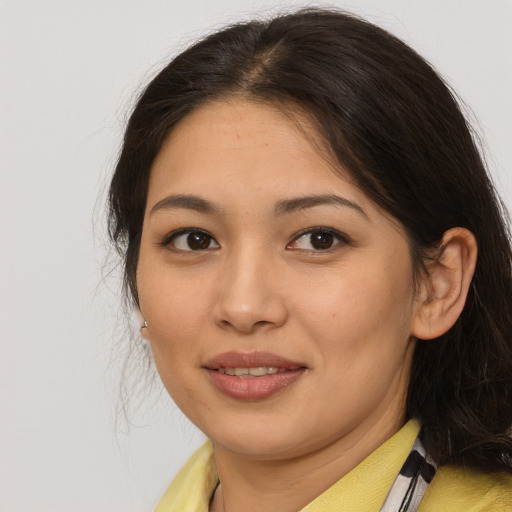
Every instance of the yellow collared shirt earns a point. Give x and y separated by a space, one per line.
363 489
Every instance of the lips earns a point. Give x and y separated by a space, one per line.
252 376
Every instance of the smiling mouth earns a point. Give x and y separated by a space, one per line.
250 373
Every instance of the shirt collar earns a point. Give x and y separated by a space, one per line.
363 488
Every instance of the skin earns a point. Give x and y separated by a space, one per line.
347 313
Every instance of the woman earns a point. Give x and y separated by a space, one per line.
323 270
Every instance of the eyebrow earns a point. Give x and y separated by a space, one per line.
302 203
283 207
188 202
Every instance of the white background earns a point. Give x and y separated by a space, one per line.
68 72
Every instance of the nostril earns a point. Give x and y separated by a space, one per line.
247 309
244 326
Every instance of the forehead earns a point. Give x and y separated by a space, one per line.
246 144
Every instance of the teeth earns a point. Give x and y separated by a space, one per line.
257 371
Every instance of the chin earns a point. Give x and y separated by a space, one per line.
261 446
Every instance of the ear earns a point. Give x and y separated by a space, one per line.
442 292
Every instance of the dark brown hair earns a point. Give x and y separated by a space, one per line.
395 126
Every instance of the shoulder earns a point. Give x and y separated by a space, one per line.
193 486
457 489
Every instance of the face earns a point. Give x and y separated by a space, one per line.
279 299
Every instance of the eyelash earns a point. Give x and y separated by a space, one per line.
341 238
337 239
169 239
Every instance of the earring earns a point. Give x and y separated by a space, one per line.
144 325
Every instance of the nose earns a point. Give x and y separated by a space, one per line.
249 295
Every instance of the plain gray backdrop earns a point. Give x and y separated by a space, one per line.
68 73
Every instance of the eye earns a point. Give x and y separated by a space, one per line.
191 240
317 239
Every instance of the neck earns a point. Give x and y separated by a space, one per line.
253 484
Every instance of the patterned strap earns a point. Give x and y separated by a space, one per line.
412 482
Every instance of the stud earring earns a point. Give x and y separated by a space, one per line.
144 325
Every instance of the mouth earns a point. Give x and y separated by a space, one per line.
252 376
250 373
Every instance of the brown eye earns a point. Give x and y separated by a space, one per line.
321 240
193 241
317 240
198 241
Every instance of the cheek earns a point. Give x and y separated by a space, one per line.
174 328
175 311
362 333
176 316
352 296
364 313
